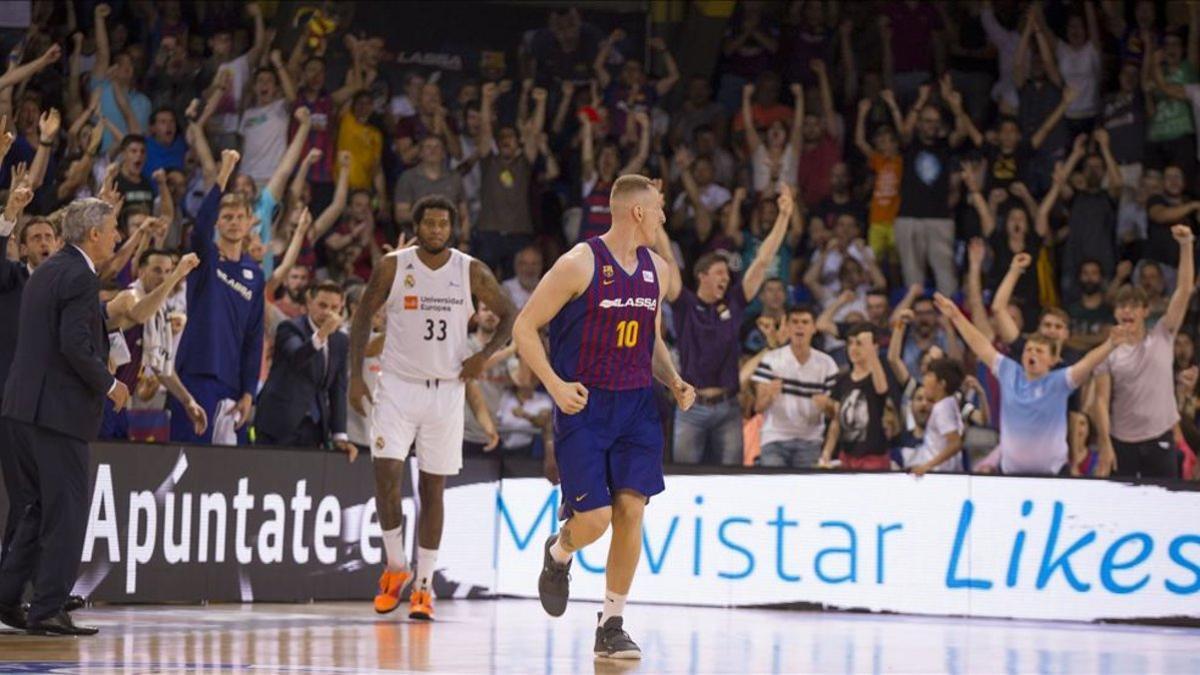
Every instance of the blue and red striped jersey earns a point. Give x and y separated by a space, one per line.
605 337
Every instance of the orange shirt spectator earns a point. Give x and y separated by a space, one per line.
885 196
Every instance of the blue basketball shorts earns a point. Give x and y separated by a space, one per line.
614 443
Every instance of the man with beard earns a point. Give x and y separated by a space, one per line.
1091 315
291 305
427 291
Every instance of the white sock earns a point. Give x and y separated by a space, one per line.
393 545
614 605
426 564
561 555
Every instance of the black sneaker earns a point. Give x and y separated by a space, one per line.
612 642
554 584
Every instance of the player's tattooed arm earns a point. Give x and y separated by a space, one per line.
373 298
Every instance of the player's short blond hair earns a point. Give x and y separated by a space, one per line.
628 186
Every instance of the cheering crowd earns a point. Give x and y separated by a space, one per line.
912 236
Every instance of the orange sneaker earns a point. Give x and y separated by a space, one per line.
391 587
420 606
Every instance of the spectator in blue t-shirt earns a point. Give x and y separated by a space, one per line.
121 104
165 148
220 353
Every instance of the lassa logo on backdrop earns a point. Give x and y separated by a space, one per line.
943 544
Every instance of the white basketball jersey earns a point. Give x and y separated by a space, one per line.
427 316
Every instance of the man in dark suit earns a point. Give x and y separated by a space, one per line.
38 240
303 402
53 402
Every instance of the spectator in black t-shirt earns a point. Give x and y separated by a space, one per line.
1092 220
1091 315
134 187
857 407
924 227
1172 207
840 200
1124 117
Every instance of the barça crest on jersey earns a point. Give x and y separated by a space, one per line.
410 302
648 276
608 271
409 281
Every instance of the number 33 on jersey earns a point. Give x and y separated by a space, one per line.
428 313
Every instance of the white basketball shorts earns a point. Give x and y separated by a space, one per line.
429 413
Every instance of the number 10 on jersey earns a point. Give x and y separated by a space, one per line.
627 333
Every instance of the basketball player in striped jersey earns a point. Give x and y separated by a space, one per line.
602 301
427 359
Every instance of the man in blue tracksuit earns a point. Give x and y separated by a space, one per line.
220 353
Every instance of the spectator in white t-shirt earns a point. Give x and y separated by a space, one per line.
1136 411
528 271
790 384
264 125
524 413
942 450
225 122
1079 63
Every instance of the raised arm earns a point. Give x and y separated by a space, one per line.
860 128
828 109
1006 328
290 158
1051 121
138 311
895 352
1185 282
199 143
664 85
485 142
638 161
19 74
756 272
1045 42
753 141
910 122
1115 179
975 340
285 78
260 35
587 151
796 135
340 194
300 180
103 52
600 64
279 274
963 126
1021 61
1082 369
976 251
48 126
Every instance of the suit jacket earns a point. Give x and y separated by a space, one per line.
299 376
59 376
13 275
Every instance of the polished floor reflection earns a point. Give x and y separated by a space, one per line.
514 636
